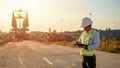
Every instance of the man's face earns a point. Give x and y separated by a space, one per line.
87 28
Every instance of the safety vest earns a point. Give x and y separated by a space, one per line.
85 40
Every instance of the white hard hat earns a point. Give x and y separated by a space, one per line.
86 21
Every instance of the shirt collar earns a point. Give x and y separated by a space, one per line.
89 31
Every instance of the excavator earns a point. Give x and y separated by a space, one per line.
19 24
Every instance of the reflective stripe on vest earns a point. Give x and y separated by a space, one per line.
85 40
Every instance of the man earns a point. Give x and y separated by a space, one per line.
91 40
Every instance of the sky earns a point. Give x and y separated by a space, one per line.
62 15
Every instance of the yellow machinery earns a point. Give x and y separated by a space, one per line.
20 24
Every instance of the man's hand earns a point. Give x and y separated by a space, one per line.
85 47
80 45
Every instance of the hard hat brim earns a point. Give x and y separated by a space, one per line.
85 26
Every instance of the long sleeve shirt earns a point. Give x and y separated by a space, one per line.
94 41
